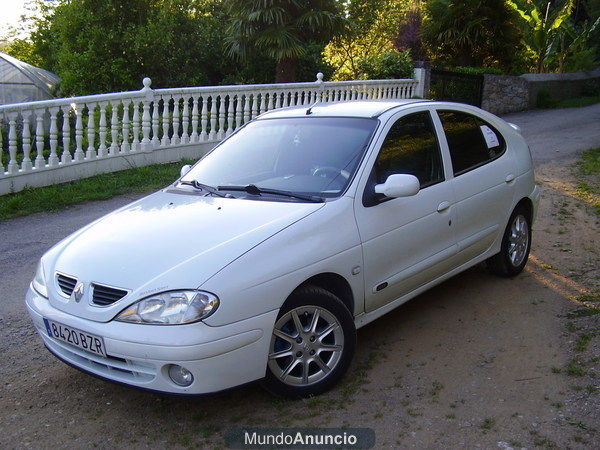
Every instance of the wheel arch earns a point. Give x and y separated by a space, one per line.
334 283
527 204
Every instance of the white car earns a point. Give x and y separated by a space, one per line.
264 258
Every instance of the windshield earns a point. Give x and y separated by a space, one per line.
312 155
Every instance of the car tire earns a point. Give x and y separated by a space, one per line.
516 243
310 361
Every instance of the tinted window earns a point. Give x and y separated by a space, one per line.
411 148
472 141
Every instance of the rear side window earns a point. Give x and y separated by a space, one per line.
472 141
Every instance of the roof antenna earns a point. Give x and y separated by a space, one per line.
320 96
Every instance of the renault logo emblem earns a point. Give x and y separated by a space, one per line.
78 292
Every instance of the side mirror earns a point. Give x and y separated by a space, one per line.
185 169
399 185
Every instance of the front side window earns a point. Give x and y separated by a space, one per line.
312 155
411 147
472 141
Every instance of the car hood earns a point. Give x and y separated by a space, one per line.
166 241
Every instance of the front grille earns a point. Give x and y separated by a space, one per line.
104 295
66 284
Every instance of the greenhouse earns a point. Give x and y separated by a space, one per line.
22 82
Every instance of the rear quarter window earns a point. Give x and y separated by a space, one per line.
472 141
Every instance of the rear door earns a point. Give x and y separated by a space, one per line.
483 172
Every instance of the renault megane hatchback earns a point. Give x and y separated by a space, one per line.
264 258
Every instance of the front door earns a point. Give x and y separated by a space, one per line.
406 241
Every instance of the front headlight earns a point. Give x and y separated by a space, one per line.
171 308
39 281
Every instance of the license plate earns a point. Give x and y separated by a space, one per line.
73 336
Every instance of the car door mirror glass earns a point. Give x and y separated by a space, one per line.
399 185
185 169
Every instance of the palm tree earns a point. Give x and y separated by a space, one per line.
471 32
543 29
281 29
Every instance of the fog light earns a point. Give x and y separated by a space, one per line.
180 375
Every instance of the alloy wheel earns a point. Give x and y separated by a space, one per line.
518 240
306 345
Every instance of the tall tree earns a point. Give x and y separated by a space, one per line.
110 45
471 32
371 27
281 29
409 34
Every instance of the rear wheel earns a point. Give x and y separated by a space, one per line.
313 342
516 243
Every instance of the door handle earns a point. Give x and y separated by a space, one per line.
509 178
443 206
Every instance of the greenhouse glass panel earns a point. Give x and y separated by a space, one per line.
22 82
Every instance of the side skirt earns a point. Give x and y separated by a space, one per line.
365 318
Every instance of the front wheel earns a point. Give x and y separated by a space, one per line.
516 243
313 342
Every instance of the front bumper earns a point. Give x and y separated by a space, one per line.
139 355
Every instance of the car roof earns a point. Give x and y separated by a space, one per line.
354 108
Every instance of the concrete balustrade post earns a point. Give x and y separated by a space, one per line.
125 146
102 150
91 132
114 130
195 116
65 157
40 161
79 155
155 123
53 159
26 142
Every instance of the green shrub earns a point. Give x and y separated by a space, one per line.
545 99
478 70
581 61
392 64
591 88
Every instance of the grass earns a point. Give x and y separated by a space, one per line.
99 187
436 387
590 161
488 424
578 424
544 442
582 342
583 312
592 297
588 189
578 102
575 368
590 388
571 327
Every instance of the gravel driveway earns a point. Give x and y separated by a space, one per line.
475 362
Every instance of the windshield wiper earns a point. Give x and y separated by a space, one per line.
255 190
205 187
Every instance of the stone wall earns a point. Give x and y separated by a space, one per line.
560 86
504 94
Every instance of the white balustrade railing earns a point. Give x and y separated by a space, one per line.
66 134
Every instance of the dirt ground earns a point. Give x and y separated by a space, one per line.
477 362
